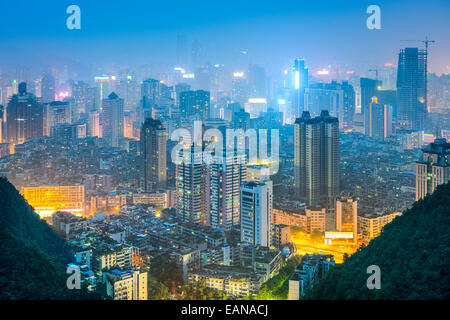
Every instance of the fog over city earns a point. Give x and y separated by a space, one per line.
137 33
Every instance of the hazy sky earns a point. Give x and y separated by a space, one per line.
273 32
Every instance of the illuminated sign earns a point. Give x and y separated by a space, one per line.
297 79
101 79
338 235
188 76
63 94
323 72
428 137
257 100
238 74
71 210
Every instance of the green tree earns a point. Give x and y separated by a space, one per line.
412 253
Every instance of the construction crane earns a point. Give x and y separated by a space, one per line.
426 42
376 70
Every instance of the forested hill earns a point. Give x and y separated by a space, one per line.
32 256
413 253
19 219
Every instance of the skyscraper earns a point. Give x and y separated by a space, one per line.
191 187
241 120
195 104
102 83
316 159
151 93
218 80
24 117
369 89
153 155
202 77
182 51
299 86
412 88
102 88
2 115
179 88
433 168
256 213
129 89
347 215
47 88
257 82
112 120
380 120
196 56
349 102
224 181
325 96
94 124
56 112
239 88
69 133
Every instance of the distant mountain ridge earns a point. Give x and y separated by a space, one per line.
413 253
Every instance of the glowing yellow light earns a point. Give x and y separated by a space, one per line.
257 100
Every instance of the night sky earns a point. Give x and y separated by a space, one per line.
274 32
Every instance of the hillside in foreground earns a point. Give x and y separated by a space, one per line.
32 256
413 254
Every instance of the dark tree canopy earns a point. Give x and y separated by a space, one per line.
412 252
32 256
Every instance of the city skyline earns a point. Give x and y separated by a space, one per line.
225 151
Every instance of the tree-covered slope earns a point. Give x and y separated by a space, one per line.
26 273
32 256
413 253
22 222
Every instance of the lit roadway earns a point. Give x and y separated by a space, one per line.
309 247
